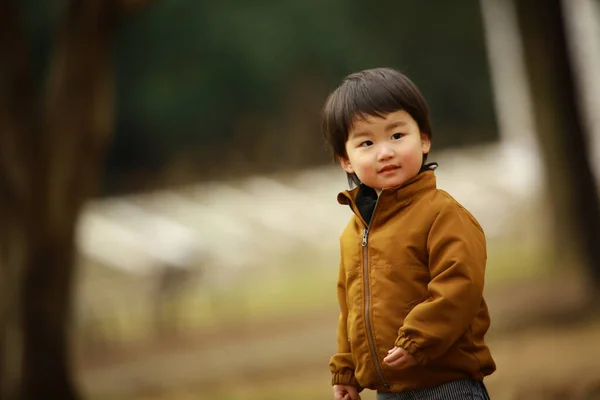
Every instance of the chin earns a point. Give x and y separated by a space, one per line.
396 183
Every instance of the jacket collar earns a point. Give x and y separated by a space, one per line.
391 200
421 182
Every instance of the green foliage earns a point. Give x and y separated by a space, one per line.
188 71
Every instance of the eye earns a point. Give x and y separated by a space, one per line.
366 143
397 136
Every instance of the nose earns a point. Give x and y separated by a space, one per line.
385 152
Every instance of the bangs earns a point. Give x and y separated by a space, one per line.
376 93
363 100
370 93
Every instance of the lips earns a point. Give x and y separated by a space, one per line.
389 167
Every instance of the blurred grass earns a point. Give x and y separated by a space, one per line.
521 374
314 387
301 285
303 290
510 262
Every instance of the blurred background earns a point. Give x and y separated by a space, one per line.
173 148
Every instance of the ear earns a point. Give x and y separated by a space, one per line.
346 165
425 144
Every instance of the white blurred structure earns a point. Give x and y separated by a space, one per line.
256 222
583 22
507 67
123 235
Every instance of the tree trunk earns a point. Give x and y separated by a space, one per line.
560 126
16 114
51 147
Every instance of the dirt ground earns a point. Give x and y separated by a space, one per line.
545 344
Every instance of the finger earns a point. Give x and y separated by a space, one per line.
393 356
336 394
398 364
341 395
353 393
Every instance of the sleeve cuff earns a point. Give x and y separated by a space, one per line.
345 378
412 348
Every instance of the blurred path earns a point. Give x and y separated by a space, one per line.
268 351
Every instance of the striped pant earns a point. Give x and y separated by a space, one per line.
465 389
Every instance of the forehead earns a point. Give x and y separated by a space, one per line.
367 123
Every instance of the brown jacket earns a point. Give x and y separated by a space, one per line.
411 278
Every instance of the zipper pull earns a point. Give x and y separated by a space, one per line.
364 241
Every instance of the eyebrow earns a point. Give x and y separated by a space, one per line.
359 135
394 125
388 127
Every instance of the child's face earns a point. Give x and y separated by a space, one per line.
385 152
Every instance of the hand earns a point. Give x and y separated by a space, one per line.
398 358
345 392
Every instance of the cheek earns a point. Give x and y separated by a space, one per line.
367 163
412 154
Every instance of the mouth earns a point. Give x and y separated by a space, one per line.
388 168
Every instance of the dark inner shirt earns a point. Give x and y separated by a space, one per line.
366 199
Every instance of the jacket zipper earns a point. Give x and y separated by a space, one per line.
368 303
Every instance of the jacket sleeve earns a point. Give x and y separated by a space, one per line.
457 257
341 364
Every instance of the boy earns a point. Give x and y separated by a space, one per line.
411 277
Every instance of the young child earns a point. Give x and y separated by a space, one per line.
411 277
